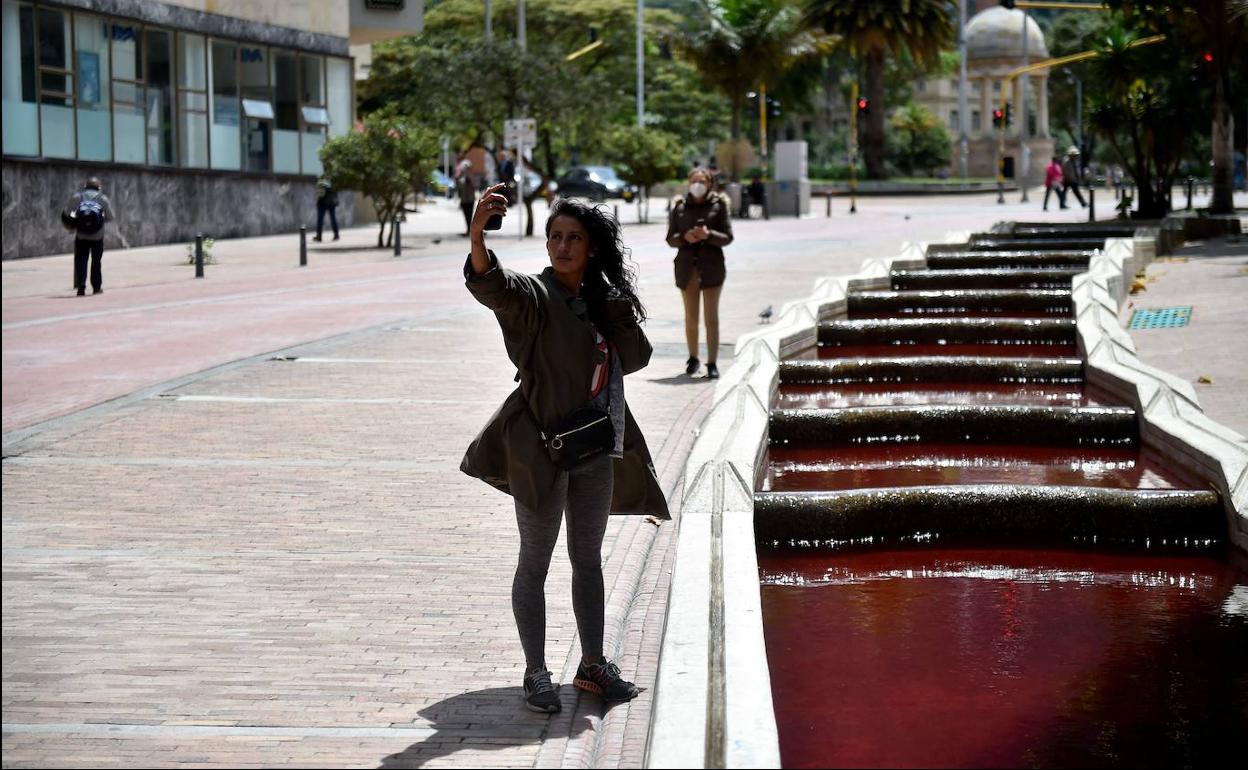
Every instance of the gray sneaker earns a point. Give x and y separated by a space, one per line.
540 694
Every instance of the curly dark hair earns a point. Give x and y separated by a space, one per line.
611 268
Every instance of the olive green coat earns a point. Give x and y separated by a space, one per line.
552 349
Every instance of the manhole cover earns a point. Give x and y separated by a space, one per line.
1160 318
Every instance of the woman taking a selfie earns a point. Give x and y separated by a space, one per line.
564 440
699 228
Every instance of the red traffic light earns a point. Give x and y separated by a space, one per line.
863 103
1208 56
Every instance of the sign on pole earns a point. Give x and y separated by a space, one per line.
520 133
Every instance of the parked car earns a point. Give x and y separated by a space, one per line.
596 183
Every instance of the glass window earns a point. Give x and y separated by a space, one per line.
192 101
159 129
225 118
257 105
56 85
953 120
21 120
315 121
128 93
975 121
338 96
286 113
311 81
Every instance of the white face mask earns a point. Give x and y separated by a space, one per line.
697 189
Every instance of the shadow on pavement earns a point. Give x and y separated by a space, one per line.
483 720
681 379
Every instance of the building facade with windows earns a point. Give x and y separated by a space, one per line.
194 121
994 47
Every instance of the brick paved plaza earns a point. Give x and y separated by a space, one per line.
235 533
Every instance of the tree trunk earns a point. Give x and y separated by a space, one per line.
873 146
1223 150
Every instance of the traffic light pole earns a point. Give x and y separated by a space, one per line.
853 150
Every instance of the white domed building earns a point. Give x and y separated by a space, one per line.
994 47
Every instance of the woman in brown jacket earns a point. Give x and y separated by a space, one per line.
573 332
699 227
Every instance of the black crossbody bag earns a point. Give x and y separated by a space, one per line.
581 435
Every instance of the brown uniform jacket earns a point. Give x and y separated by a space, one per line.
552 349
705 257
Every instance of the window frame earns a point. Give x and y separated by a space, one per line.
141 84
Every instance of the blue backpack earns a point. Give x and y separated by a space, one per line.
89 216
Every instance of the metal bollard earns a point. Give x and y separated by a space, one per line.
397 233
828 198
797 204
617 212
1189 193
303 245
199 255
1091 203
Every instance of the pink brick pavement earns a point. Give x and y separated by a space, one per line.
278 563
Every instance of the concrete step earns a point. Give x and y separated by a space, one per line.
923 369
963 259
969 331
1026 513
1084 426
813 469
960 302
985 278
839 395
1071 231
1058 243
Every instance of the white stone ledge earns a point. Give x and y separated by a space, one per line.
1172 424
716 567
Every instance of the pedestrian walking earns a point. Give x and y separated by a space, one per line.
699 228
88 211
467 191
326 202
1053 182
507 175
564 442
1072 176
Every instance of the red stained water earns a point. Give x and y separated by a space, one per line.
934 349
812 469
1002 658
829 395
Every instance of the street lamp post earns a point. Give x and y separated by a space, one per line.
489 21
1074 80
641 66
963 119
1024 147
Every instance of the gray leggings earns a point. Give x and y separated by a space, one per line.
586 493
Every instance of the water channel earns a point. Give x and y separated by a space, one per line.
969 560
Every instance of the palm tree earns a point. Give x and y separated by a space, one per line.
742 43
871 28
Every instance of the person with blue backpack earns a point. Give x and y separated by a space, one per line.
88 210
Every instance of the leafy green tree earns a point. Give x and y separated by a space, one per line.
871 29
467 88
1145 108
388 161
739 44
644 157
918 141
1209 38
